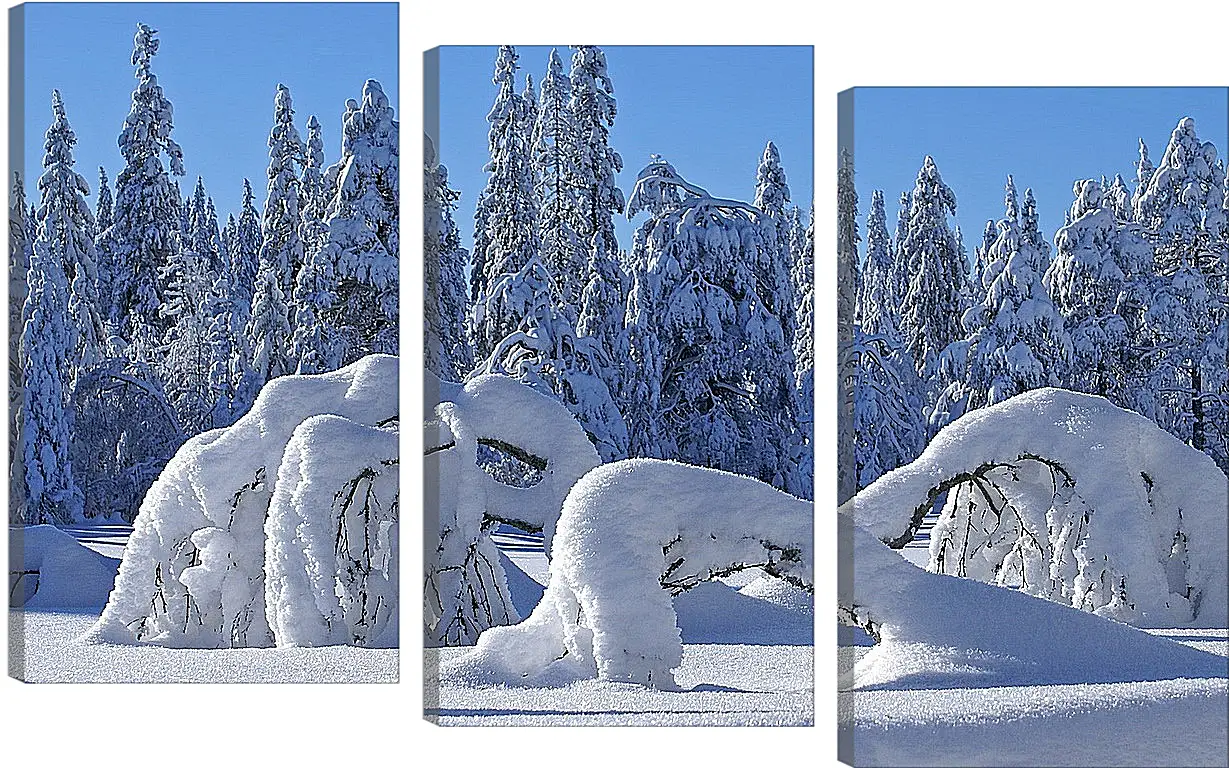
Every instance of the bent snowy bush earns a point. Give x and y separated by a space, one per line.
466 587
280 529
938 631
631 535
1069 498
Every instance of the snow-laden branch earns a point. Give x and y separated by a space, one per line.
1070 498
659 183
194 571
633 534
465 586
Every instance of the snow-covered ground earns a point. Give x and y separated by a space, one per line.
748 659
1178 722
46 643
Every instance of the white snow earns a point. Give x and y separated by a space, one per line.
193 573
630 534
50 570
1097 507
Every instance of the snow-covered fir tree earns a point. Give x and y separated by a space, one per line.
144 234
803 274
268 330
1143 177
199 343
602 309
555 162
877 305
282 245
51 334
848 281
594 108
362 251
1182 362
547 354
244 256
1118 198
715 375
774 272
448 354
21 234
505 234
314 193
1085 281
1014 339
65 222
104 216
886 424
900 270
930 311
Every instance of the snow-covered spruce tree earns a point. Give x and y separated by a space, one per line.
200 343
1030 229
268 330
774 272
147 209
886 419
981 259
1143 177
21 232
1085 281
448 354
244 267
1118 198
505 234
548 355
721 377
362 251
312 281
602 311
593 108
104 215
314 193
282 245
556 169
848 281
930 311
51 332
1014 339
877 306
1181 211
65 222
804 349
900 270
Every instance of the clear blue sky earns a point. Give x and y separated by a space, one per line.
709 110
1045 137
219 64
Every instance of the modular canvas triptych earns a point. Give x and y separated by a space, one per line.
623 323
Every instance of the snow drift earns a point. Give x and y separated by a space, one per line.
939 631
466 586
50 570
631 535
280 529
1069 498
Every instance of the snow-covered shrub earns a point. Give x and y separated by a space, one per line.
208 564
936 631
1067 497
466 588
631 536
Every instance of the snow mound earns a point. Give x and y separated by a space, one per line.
467 587
631 535
275 495
1068 497
938 631
50 570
